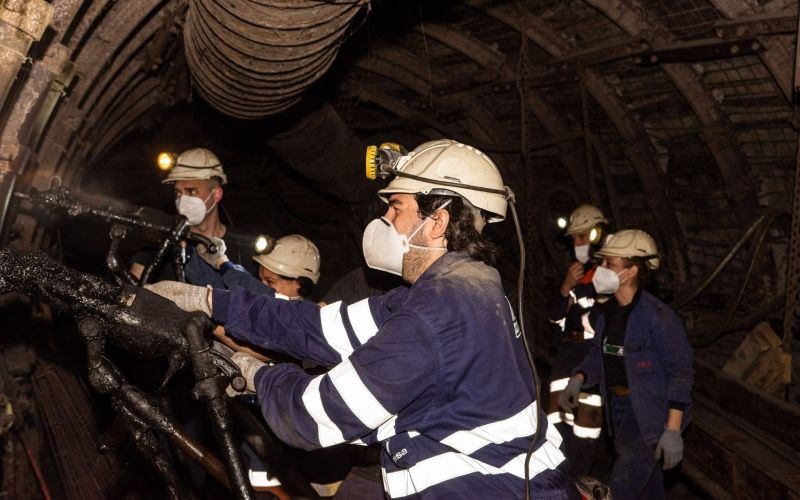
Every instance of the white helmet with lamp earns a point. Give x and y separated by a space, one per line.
584 218
437 167
294 256
194 164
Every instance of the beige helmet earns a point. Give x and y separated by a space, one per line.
583 218
196 164
631 243
293 256
449 161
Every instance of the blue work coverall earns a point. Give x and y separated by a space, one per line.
436 372
658 365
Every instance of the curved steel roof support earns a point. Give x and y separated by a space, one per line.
492 59
401 109
778 56
400 73
717 132
640 151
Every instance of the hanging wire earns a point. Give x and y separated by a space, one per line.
521 84
587 143
427 55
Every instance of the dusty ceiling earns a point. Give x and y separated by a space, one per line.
686 107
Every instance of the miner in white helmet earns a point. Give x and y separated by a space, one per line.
581 428
435 371
641 360
290 269
197 178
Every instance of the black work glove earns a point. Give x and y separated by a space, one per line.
568 399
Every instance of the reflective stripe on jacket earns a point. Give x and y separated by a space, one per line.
434 371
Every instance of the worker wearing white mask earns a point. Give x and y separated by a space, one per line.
434 371
581 428
197 179
641 360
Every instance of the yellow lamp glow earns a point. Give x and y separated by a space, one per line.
165 161
262 242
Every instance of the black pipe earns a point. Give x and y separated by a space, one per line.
210 387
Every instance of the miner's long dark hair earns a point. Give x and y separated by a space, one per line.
461 234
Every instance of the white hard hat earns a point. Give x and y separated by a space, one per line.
196 164
583 218
449 161
293 256
631 243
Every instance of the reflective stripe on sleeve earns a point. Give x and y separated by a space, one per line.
356 396
333 329
386 430
362 321
328 432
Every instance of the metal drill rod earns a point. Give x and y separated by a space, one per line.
61 199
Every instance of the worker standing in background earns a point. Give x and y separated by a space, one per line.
586 228
197 178
436 371
641 360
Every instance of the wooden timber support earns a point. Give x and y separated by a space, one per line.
745 442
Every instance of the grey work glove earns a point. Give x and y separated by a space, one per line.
248 365
568 399
187 297
670 446
215 259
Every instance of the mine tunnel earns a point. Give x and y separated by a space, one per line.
675 118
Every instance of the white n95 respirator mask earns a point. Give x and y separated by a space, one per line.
384 247
582 253
605 280
193 208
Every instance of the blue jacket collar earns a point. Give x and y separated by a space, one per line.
443 264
